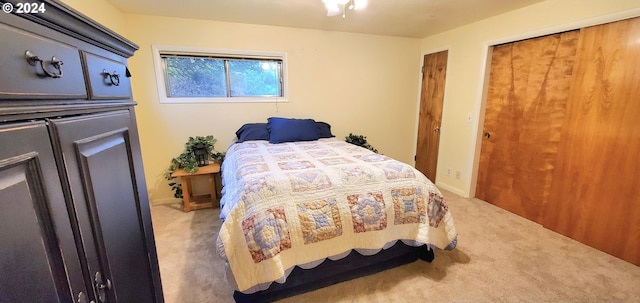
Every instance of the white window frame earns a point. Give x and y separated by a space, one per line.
161 80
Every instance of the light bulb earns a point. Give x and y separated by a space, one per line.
359 4
335 2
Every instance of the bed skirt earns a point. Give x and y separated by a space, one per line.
331 272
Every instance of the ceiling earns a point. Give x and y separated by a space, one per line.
404 18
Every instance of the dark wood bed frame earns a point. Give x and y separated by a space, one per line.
331 272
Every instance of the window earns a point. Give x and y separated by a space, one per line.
185 76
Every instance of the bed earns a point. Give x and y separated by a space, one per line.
302 210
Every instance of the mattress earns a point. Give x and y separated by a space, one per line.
299 203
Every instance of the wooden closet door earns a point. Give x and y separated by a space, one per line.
595 196
434 74
528 89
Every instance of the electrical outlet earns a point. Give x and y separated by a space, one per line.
448 171
458 174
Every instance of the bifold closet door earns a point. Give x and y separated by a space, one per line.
595 195
528 90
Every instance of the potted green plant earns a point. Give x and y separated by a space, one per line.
188 159
360 140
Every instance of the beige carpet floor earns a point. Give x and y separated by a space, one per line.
500 257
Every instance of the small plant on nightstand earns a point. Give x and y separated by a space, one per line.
187 160
359 140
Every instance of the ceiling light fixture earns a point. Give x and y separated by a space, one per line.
337 7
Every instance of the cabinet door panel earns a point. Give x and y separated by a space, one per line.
104 189
35 229
24 230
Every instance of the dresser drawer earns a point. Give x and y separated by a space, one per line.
107 78
40 77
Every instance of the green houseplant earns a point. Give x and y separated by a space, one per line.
360 140
187 160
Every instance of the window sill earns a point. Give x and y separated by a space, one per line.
224 100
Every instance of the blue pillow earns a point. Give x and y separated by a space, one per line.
325 130
252 131
291 130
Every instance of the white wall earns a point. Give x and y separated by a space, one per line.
102 12
358 83
468 48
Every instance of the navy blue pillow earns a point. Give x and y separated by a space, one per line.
325 130
252 131
291 130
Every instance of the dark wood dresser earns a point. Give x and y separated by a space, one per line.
75 222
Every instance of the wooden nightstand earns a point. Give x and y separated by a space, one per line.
199 201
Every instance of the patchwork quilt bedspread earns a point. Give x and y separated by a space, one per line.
295 203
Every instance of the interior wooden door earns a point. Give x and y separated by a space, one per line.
595 196
528 90
434 74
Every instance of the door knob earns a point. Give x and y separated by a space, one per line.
487 135
436 129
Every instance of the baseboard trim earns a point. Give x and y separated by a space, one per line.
165 201
452 189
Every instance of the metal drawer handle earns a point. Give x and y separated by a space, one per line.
100 287
57 64
114 78
82 298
